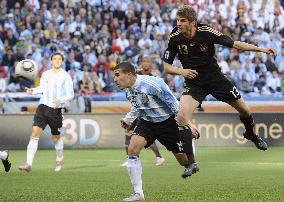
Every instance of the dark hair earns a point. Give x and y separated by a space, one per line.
187 12
57 53
126 67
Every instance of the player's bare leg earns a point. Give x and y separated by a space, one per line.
31 149
186 108
160 160
135 168
248 121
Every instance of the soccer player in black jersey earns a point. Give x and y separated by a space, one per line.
194 44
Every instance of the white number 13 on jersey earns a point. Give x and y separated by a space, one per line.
167 54
235 92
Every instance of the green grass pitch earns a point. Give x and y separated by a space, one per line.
226 174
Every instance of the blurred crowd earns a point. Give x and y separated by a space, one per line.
94 35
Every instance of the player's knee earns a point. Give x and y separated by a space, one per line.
182 119
245 113
55 138
35 133
133 150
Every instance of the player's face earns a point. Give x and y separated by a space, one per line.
146 67
121 79
57 61
184 26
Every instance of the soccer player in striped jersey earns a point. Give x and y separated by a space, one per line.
193 43
56 88
4 156
145 69
156 108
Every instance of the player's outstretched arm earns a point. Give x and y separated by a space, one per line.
250 47
188 73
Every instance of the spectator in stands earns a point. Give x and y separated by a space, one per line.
3 82
122 41
89 56
10 24
258 66
260 85
249 71
245 85
223 64
102 68
8 58
270 65
274 83
10 38
97 83
51 25
279 61
85 85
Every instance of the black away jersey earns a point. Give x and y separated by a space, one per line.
196 53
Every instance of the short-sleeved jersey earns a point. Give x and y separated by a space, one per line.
151 99
196 53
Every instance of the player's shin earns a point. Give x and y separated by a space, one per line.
59 149
248 123
186 137
250 133
155 149
135 173
31 149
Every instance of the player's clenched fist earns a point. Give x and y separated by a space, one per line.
123 124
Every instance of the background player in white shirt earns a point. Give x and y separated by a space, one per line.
56 87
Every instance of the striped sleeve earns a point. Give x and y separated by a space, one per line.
215 36
131 116
169 98
39 89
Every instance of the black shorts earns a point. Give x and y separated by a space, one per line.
47 115
165 132
218 86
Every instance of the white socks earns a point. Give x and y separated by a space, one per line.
31 150
193 148
3 155
59 149
135 173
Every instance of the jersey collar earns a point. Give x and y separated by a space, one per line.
192 37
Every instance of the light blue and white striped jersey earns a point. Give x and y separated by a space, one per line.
55 86
151 99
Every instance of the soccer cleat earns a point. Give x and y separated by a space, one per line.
6 162
160 161
124 164
135 197
59 165
193 168
258 141
25 168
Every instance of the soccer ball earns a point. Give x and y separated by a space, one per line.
26 70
